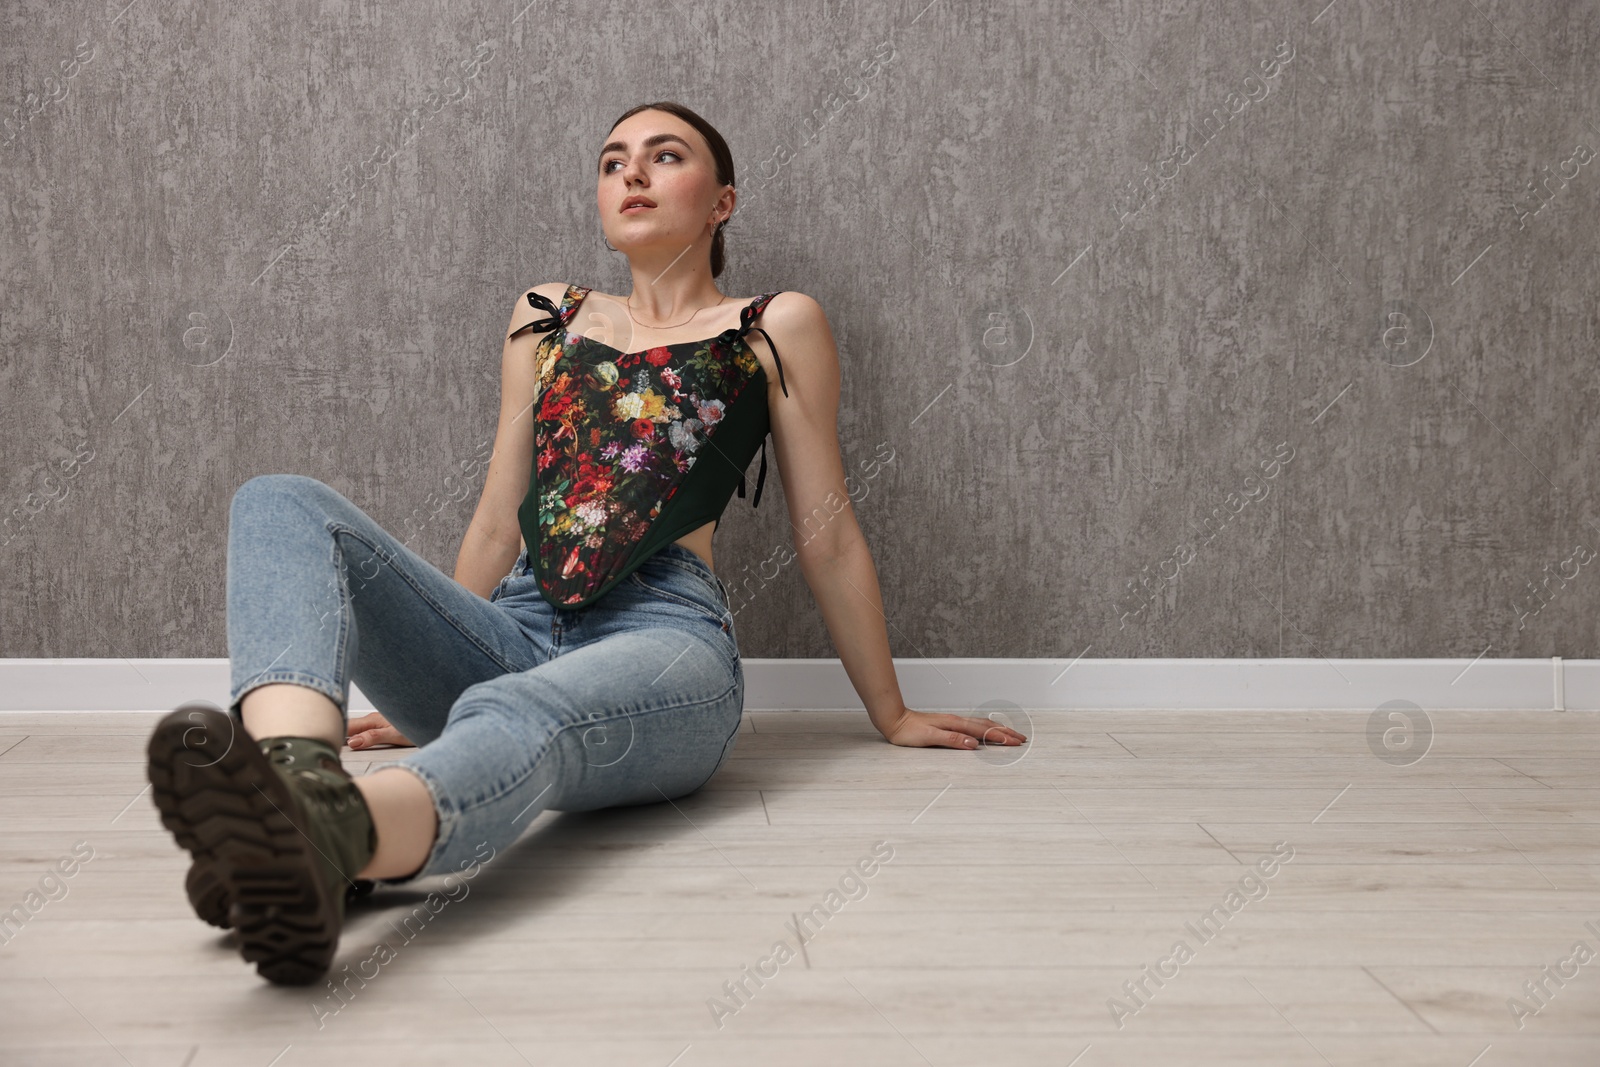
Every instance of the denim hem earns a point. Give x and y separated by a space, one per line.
310 681
449 820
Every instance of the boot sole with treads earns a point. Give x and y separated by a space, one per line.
280 843
209 896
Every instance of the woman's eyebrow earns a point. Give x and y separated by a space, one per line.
649 142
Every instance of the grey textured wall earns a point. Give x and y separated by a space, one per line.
1213 328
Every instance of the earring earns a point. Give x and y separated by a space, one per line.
608 243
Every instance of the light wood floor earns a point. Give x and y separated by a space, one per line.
1022 894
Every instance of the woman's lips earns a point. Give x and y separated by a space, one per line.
637 207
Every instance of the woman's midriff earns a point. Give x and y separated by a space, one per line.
698 541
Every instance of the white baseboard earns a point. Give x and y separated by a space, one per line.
965 685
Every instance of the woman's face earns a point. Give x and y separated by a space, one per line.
660 157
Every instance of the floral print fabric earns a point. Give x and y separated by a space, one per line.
616 434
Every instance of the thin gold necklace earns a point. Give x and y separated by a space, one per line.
628 303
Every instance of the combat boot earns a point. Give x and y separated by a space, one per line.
211 900
278 828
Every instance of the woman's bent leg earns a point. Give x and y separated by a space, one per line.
320 595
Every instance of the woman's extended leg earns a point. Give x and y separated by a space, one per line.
640 703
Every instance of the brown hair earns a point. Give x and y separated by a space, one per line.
719 154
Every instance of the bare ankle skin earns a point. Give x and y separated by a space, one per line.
282 709
403 813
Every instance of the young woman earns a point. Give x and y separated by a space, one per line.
584 654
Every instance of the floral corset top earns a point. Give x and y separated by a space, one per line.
632 450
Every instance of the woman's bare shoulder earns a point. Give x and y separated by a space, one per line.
792 302
796 314
797 325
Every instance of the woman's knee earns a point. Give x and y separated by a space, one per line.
277 486
268 493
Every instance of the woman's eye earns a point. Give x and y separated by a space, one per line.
605 168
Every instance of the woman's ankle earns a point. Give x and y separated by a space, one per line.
283 709
406 820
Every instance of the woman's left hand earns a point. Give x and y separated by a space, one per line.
373 729
920 729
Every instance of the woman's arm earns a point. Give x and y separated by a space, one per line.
829 544
493 538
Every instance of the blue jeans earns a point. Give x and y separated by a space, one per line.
516 705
